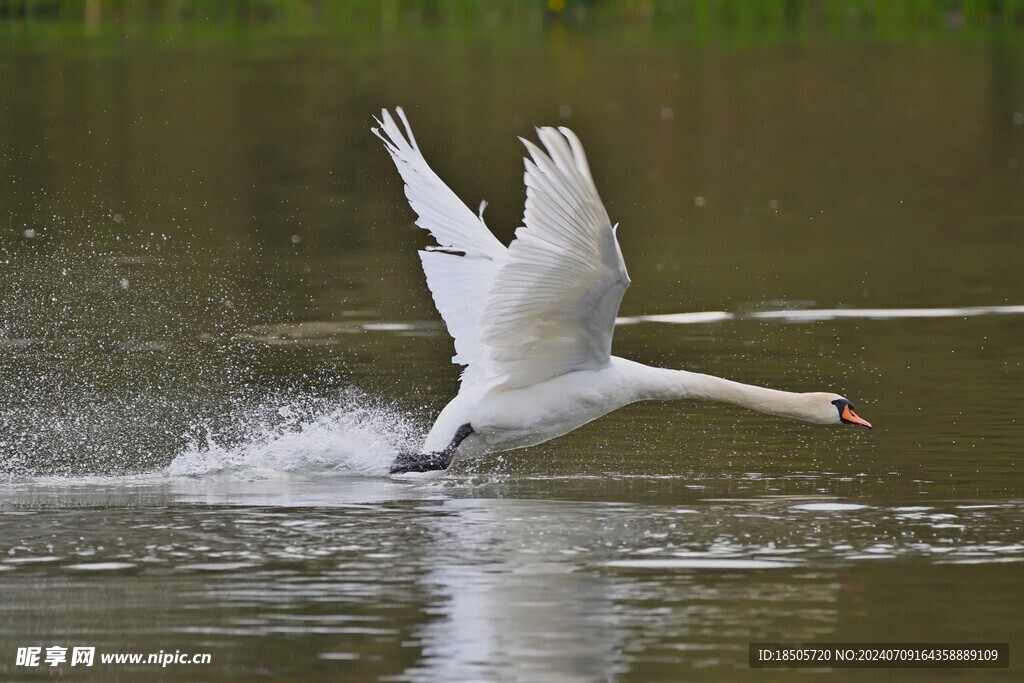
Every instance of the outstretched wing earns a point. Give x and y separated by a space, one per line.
462 267
552 307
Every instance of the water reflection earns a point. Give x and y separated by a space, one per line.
475 581
514 593
508 602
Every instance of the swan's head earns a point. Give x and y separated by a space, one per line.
836 409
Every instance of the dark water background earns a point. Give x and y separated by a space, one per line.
214 329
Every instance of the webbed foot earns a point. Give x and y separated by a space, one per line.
420 462
429 462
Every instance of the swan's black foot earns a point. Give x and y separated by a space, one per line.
429 462
421 462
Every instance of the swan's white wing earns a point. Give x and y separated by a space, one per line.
461 269
450 221
459 285
551 309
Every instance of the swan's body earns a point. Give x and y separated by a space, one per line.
533 322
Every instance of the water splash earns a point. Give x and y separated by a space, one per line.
355 436
286 430
116 363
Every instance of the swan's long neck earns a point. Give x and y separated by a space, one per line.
661 384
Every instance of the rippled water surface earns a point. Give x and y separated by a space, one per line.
214 337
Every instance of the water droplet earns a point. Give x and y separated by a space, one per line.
565 111
124 283
668 113
296 239
29 233
773 204
698 201
1018 118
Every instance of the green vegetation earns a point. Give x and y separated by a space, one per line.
697 21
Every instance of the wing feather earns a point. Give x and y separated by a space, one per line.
458 282
552 307
440 211
546 305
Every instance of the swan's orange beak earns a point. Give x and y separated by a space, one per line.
853 418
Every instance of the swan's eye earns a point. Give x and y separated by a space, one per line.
841 405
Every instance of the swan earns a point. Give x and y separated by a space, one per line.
533 322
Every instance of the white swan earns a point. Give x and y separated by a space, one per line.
533 322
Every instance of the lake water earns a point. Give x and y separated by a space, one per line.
215 335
